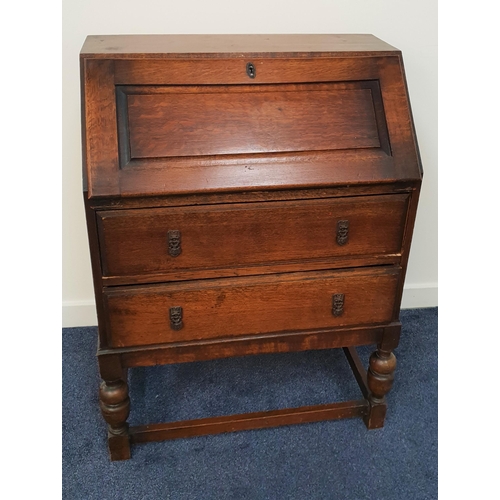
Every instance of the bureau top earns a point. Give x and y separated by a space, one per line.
221 46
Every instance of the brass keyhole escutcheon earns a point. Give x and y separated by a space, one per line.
251 70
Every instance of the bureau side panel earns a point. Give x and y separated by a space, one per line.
100 128
406 245
95 259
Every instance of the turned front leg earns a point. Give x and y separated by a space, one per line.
380 377
115 408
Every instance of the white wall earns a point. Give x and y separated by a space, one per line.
408 25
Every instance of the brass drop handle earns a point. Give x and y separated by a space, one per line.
176 322
174 243
338 304
342 232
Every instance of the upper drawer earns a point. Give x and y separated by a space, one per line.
149 242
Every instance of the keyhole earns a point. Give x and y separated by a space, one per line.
251 70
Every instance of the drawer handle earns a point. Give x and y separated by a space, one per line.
338 304
251 70
176 318
342 232
174 243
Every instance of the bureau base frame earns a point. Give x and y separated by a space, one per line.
374 383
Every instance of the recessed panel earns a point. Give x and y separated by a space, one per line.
170 121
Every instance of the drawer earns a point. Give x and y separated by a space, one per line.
149 242
196 310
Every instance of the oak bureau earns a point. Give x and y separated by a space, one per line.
246 194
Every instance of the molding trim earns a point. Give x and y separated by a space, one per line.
77 313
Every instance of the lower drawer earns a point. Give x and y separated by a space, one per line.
229 307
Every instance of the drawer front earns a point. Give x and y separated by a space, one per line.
196 310
156 241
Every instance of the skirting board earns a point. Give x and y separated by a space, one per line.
82 312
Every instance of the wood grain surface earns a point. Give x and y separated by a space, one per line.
236 213
192 46
139 315
134 242
223 120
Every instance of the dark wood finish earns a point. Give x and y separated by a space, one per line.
380 377
135 242
232 71
202 350
139 315
358 369
234 46
114 402
390 338
271 170
249 270
246 195
253 196
115 408
101 137
247 421
405 248
96 267
175 121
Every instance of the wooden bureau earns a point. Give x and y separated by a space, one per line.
246 194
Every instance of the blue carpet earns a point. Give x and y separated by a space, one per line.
326 460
